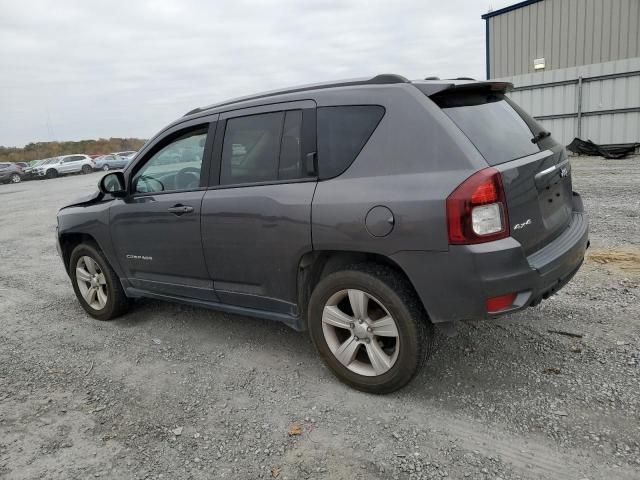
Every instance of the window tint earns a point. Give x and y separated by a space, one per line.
176 166
251 149
342 133
290 164
488 119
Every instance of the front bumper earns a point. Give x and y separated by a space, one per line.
455 285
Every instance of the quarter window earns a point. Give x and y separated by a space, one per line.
342 133
176 166
262 148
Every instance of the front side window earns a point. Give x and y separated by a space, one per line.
262 148
176 166
342 133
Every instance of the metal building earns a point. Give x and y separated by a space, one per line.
575 65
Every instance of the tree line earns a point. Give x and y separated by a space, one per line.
42 150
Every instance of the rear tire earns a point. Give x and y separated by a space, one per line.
15 178
380 363
86 169
52 173
92 282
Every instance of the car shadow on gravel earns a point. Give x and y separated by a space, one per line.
203 326
482 360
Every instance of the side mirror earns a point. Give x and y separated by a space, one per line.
113 184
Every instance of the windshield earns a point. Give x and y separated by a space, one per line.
499 130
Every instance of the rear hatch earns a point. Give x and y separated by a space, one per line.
536 173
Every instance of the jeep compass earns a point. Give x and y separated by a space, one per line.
363 211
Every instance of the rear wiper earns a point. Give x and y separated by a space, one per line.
540 136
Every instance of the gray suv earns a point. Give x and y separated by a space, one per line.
364 211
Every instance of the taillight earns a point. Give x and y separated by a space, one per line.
477 209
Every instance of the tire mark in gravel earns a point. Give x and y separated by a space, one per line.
527 455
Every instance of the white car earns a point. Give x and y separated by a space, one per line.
64 165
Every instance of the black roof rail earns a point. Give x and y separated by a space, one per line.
432 78
462 78
382 79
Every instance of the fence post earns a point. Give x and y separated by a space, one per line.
579 135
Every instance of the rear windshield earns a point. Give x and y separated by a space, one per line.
498 128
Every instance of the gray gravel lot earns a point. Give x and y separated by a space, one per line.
171 392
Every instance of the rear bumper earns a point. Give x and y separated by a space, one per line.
455 285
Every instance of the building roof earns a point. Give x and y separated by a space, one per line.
510 8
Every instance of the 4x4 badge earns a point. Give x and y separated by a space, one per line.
519 226
564 171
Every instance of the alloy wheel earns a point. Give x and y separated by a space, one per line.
91 282
105 168
15 178
360 332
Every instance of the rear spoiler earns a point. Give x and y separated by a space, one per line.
431 88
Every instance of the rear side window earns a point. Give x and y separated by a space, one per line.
490 121
342 133
262 148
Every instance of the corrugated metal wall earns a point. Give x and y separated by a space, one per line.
565 32
609 110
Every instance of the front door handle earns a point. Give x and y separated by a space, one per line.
180 209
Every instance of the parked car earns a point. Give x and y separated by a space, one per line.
22 165
64 165
365 212
29 172
33 170
111 162
126 153
10 173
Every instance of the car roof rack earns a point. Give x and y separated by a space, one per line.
432 78
382 79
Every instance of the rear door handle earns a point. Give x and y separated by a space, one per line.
180 209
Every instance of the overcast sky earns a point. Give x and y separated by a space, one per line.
72 70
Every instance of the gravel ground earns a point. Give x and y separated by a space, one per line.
171 392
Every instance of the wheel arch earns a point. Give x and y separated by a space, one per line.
69 241
315 265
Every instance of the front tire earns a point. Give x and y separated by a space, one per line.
52 173
369 327
95 284
86 169
15 178
105 168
